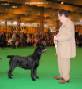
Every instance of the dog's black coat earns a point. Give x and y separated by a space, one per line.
30 62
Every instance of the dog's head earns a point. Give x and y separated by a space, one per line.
42 47
39 50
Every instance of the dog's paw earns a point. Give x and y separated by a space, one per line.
10 77
37 77
33 79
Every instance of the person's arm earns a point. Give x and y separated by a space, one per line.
66 34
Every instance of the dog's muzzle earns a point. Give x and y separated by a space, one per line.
44 50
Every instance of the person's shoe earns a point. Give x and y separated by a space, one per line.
62 81
58 77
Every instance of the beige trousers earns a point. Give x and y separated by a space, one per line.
64 67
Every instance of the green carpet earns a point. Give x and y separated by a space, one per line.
46 71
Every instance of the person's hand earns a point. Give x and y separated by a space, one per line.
55 38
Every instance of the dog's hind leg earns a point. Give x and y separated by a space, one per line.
10 73
11 68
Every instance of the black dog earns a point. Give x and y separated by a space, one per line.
30 62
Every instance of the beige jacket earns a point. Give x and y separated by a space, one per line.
65 44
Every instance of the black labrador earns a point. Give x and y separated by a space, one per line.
30 62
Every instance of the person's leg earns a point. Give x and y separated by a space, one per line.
65 70
59 69
60 66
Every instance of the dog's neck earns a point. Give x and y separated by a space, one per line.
37 54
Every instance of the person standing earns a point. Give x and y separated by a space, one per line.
65 46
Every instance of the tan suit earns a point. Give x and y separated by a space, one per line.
65 48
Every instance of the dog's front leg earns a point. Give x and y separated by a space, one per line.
35 71
33 75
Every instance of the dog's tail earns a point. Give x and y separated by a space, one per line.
10 56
